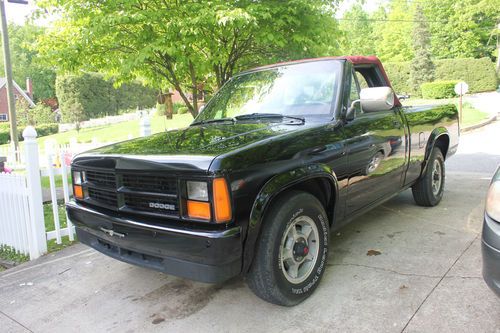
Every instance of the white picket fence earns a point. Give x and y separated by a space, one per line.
22 223
14 212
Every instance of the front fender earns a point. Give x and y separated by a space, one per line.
272 188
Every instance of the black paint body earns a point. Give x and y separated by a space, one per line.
327 156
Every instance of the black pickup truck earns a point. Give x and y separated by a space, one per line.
279 157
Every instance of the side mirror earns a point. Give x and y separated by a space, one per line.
376 99
351 110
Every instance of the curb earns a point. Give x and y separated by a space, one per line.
481 124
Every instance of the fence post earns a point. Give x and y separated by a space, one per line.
145 125
64 175
36 231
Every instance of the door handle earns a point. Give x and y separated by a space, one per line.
317 150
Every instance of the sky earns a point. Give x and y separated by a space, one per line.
17 13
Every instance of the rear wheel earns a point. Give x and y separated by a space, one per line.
428 191
292 250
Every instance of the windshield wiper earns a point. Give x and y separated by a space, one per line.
209 121
267 115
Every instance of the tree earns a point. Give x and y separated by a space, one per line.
186 44
461 29
396 44
422 67
26 63
358 32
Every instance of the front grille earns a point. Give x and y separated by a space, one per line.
107 198
150 183
132 192
147 203
101 178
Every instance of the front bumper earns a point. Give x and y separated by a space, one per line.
202 255
490 248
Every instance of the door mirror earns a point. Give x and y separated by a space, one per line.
376 99
352 110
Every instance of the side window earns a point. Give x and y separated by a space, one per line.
361 80
354 94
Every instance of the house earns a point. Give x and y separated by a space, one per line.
18 93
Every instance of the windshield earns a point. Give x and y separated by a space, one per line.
304 89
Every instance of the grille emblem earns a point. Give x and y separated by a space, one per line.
161 206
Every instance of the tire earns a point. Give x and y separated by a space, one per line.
283 272
428 191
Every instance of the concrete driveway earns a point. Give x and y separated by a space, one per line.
424 276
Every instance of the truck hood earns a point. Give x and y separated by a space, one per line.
187 148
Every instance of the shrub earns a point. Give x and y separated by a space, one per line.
4 135
46 129
177 106
182 110
42 114
99 97
478 73
399 75
161 109
438 89
42 130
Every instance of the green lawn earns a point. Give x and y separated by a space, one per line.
120 131
57 179
49 226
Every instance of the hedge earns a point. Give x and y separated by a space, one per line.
42 130
98 97
478 73
438 89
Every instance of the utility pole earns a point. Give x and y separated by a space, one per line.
11 102
498 47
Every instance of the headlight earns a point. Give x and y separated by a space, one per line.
78 177
197 191
493 201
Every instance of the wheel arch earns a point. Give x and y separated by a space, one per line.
316 179
439 138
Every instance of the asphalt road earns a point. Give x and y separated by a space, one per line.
427 277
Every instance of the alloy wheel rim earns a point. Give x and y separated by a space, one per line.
437 177
299 249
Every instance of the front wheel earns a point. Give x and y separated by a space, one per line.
428 191
292 251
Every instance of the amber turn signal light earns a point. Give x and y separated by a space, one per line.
198 210
78 191
222 201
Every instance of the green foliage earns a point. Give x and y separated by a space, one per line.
186 44
478 73
26 61
457 29
182 110
399 75
42 114
357 32
462 30
438 89
10 254
46 129
422 67
161 109
91 96
177 106
396 33
42 130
